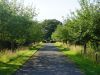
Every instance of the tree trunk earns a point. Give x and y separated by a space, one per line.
96 57
34 42
66 42
12 45
75 45
85 51
96 53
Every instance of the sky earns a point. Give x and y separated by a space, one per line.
53 9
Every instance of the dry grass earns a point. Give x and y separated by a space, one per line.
91 54
11 61
85 63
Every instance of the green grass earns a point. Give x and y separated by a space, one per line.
85 64
11 61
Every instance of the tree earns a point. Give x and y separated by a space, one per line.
17 25
35 32
82 26
49 27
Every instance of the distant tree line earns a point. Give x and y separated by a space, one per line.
49 26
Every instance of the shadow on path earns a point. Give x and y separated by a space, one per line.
49 61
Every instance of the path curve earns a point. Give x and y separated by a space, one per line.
49 61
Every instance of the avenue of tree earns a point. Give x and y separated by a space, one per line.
18 26
21 34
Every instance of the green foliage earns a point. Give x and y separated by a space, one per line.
49 27
82 26
84 63
12 61
16 23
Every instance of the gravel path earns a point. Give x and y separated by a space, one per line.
49 61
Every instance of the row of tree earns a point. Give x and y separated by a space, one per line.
17 24
82 27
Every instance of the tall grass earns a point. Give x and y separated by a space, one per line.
85 63
11 61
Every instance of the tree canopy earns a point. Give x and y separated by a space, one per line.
49 26
17 24
82 26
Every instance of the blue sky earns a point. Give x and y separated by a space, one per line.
53 9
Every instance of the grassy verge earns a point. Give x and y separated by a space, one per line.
85 64
11 61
